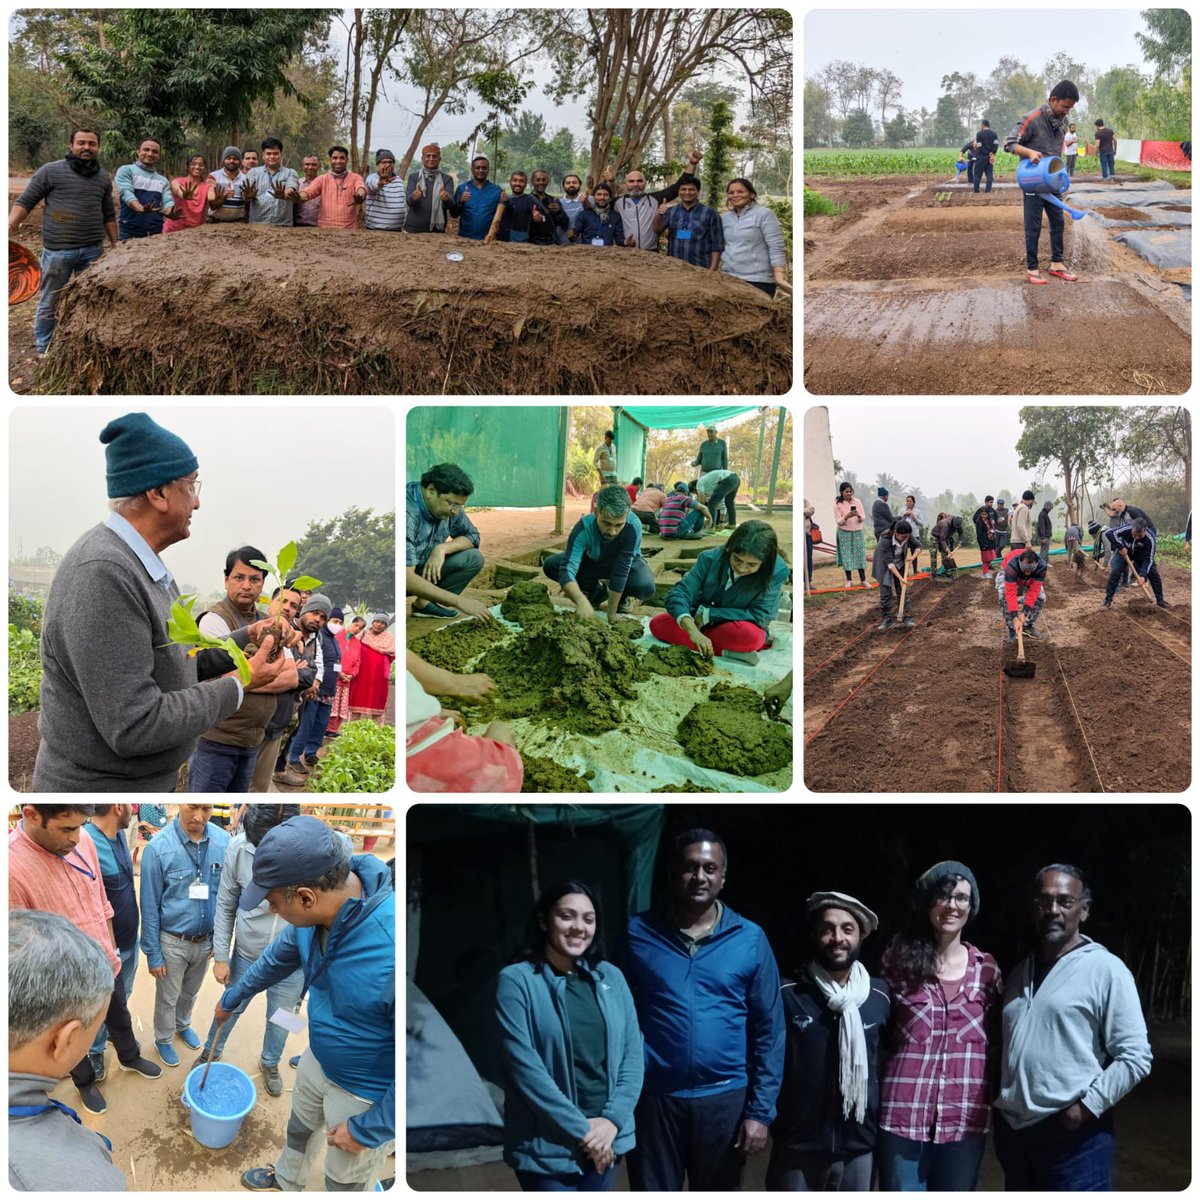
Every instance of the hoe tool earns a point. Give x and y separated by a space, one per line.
1143 584
904 587
1020 669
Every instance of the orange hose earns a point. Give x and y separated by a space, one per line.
24 274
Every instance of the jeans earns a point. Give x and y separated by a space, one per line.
790 1171
58 266
590 1181
215 767
175 994
310 732
1108 165
678 1137
908 1166
982 165
1048 1158
1117 574
691 523
808 553
640 583
283 994
1034 204
129 960
763 286
726 491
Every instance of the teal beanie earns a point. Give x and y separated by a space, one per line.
140 454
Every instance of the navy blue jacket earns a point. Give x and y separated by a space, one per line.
588 226
1142 553
712 1020
352 1002
332 656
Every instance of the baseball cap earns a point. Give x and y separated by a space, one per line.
299 850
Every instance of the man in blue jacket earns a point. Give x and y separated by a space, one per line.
341 915
707 993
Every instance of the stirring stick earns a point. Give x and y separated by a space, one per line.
208 1065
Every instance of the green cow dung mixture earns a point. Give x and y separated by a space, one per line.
527 604
728 733
676 660
453 646
545 775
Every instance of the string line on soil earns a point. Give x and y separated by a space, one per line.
1079 722
875 668
1000 726
1155 636
838 653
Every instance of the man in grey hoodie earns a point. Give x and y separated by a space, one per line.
59 986
1074 1045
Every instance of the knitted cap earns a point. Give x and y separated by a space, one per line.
944 870
141 455
382 154
380 616
883 492
230 150
336 614
317 603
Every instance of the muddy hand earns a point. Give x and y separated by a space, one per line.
249 191
359 196
219 194
279 191
188 191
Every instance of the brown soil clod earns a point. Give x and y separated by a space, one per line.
1121 213
355 312
546 775
675 660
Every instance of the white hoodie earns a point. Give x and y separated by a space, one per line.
1086 1014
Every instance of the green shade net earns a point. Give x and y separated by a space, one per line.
688 416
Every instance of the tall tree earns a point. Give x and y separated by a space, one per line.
816 115
887 92
718 155
375 35
1168 45
1159 439
354 555
634 63
968 95
1078 441
164 69
947 125
858 130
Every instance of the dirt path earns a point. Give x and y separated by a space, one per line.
925 293
977 729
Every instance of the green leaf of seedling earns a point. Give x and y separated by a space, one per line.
305 583
265 566
239 660
287 559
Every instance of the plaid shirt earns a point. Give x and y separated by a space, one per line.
707 230
423 533
940 1069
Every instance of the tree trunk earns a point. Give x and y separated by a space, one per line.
668 148
100 29
356 49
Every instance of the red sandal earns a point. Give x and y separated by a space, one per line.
1029 278
1064 275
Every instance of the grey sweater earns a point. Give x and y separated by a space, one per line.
77 206
49 1152
121 708
753 244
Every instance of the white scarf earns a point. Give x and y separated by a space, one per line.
846 1001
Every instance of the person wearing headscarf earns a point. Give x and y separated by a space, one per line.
369 689
824 1136
348 640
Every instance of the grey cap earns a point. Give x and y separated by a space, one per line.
818 902
318 603
944 870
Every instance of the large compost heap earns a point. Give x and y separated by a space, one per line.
582 676
253 308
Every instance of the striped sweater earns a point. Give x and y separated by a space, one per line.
77 206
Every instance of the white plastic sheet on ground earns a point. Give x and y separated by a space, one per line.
656 759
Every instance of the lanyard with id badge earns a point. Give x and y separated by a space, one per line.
198 889
292 1021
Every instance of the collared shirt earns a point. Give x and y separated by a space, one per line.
478 209
940 1070
264 208
170 865
423 533
155 567
307 212
702 234
45 882
338 210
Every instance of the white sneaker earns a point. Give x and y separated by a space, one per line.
846 586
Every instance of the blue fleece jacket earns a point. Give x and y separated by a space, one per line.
543 1124
615 555
352 1001
745 599
712 1019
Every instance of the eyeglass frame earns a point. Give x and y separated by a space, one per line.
955 900
192 485
1065 904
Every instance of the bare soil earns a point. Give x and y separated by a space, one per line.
1120 213
356 312
981 731
925 293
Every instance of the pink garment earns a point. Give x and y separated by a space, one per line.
742 636
849 516
338 210
650 501
458 763
40 880
194 210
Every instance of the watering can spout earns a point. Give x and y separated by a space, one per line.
1077 213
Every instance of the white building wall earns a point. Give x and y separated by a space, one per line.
820 486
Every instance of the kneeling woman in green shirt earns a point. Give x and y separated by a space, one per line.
572 1051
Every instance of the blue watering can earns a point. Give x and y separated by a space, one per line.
1047 178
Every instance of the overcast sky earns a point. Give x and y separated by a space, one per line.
931 448
276 470
923 45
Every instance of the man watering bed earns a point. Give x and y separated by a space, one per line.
341 930
1041 133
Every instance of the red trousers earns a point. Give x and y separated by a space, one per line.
985 557
742 636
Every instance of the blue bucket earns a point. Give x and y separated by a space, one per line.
218 1110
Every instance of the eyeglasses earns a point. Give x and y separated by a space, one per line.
959 900
1046 903
192 485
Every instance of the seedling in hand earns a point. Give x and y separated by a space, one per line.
182 630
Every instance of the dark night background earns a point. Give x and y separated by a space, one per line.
476 891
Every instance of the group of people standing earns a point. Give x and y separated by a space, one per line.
697 1053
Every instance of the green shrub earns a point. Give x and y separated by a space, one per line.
25 611
361 759
783 210
24 671
580 470
817 205
1175 552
